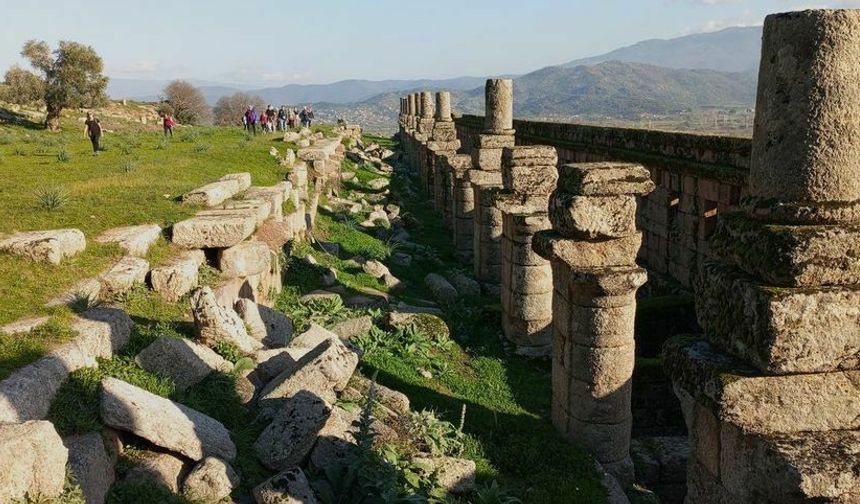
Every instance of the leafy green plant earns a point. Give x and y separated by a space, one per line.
51 198
492 493
63 156
19 150
228 350
128 165
201 147
430 434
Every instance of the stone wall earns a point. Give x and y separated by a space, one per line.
697 178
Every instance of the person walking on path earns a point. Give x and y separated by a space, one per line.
168 122
93 130
310 115
264 122
282 118
270 118
303 116
291 118
251 119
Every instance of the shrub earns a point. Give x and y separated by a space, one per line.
19 150
63 156
128 165
201 148
51 198
188 103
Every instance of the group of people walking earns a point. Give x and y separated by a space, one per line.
280 119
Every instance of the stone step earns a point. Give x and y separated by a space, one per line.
51 246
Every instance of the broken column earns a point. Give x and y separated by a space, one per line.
486 180
443 143
770 395
529 175
592 248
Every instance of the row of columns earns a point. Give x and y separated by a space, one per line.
557 248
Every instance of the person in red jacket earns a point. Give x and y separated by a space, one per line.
168 122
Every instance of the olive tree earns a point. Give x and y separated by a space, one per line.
229 109
71 76
22 87
188 104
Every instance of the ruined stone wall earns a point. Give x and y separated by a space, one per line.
697 178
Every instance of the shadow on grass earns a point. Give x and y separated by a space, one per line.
12 117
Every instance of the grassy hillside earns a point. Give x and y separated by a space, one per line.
135 180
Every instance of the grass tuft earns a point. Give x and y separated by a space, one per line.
51 198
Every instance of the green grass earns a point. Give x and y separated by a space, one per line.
17 351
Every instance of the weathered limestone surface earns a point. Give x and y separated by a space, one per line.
178 278
244 259
499 105
293 431
242 179
210 481
27 393
214 231
215 323
158 469
267 325
134 240
184 361
32 460
212 194
163 422
91 465
287 487
122 276
45 246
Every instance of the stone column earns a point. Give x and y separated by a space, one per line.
409 128
529 175
770 395
443 142
487 157
425 131
592 248
463 207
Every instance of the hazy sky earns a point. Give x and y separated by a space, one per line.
266 42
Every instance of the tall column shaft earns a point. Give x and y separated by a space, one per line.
499 105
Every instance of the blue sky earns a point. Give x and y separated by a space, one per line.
267 42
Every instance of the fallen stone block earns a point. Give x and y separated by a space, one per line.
323 371
23 326
179 277
293 431
134 240
210 481
453 474
442 290
32 461
271 363
214 323
45 246
375 269
313 337
273 196
287 487
27 393
91 465
214 231
427 323
163 422
266 325
260 209
352 327
465 285
184 361
244 259
212 194
242 179
158 469
123 276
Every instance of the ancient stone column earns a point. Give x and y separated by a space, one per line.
592 248
770 395
499 106
487 231
529 175
443 142
463 207
424 135
487 157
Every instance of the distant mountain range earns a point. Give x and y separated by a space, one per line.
729 50
651 77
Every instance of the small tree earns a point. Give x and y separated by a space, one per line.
22 87
189 105
229 109
71 77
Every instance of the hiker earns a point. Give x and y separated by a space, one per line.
270 118
168 122
264 122
251 119
303 116
93 130
282 118
310 115
291 118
